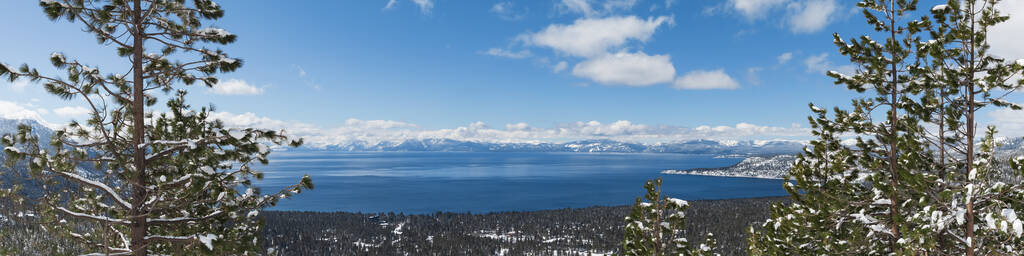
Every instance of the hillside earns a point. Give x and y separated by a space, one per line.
592 230
768 167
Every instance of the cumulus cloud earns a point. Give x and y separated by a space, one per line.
811 15
591 37
71 111
785 57
377 131
391 4
601 42
706 80
631 69
498 52
236 87
754 9
800 16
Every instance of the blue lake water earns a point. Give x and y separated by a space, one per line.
427 182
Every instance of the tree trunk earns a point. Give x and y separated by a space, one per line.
970 137
138 182
893 135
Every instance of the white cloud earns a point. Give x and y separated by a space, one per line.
706 80
506 10
810 16
236 87
376 131
819 64
71 111
612 5
498 52
800 16
1006 37
591 37
558 68
425 5
632 69
578 6
785 57
14 110
586 7
602 43
754 9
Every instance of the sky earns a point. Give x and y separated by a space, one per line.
510 71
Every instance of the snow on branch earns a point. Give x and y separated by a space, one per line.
110 191
92 217
182 219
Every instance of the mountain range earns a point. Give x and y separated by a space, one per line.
590 146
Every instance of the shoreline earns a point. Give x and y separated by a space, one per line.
687 172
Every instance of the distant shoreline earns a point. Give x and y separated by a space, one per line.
774 167
688 172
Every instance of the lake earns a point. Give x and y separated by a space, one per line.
427 182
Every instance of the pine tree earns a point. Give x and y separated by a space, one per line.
977 190
855 199
171 182
655 225
921 163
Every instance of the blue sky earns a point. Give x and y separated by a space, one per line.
627 69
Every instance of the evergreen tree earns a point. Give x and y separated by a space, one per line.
855 199
655 224
976 199
913 184
171 182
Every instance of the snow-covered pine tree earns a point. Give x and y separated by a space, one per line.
977 197
956 199
855 197
173 181
655 225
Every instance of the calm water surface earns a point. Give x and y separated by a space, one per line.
427 182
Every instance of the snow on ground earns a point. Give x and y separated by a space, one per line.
398 229
775 167
512 236
361 244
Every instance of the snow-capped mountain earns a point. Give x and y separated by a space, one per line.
685 147
10 126
20 172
